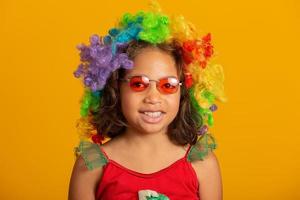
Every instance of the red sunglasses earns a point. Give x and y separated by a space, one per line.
166 85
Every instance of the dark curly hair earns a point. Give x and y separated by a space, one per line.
109 120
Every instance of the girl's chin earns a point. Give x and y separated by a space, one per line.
152 129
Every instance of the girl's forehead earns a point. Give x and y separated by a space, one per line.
153 72
154 64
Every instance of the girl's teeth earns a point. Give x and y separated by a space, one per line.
153 114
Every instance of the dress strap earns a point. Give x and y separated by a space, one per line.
201 148
187 151
91 153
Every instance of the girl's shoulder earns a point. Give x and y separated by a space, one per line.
201 149
86 171
91 154
95 155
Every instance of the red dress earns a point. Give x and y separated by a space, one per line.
177 181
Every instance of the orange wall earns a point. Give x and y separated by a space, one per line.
257 130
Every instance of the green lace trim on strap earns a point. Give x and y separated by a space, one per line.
91 154
202 147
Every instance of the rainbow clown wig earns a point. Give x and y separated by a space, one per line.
105 54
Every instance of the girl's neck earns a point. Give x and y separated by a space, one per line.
147 141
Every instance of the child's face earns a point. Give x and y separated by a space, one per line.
155 64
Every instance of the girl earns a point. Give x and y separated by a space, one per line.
148 103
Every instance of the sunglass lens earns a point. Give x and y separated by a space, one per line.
168 85
138 83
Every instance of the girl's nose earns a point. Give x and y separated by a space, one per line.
152 94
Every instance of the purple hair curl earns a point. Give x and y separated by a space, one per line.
98 62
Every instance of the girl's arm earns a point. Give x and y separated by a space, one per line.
83 183
209 177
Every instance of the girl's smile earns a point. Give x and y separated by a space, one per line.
152 117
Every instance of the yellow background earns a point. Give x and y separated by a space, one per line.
257 130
